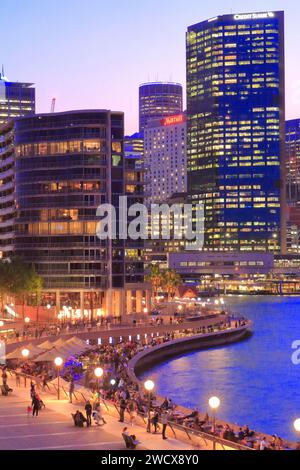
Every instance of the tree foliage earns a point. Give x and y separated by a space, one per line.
18 278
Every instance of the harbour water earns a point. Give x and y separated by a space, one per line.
255 380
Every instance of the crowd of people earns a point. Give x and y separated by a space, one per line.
131 400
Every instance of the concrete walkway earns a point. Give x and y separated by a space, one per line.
54 429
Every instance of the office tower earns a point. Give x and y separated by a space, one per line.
236 128
7 189
165 155
16 99
157 100
67 164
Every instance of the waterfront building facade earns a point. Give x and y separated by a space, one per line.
67 164
16 99
157 100
236 130
165 155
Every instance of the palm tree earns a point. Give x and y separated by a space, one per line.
171 281
155 278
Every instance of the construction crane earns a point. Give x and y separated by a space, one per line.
53 105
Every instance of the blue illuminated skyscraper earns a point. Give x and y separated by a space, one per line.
236 130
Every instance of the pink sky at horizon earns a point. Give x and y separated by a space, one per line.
95 55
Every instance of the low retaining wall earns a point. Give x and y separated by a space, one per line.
152 356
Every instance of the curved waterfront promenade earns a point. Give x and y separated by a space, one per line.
179 436
126 331
148 358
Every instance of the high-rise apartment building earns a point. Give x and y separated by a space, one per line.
67 164
165 156
236 130
16 99
157 100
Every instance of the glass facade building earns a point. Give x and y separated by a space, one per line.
16 99
236 130
157 100
67 164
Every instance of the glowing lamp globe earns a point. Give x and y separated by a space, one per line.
58 362
149 385
214 403
297 425
27 320
25 353
1 323
99 372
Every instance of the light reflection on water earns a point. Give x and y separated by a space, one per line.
255 379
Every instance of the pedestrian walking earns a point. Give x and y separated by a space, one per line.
122 410
132 412
35 405
98 416
164 422
71 389
89 411
32 390
155 420
18 378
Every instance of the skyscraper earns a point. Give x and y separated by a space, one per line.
236 129
157 100
16 99
165 158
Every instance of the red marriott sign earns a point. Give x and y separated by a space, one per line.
172 120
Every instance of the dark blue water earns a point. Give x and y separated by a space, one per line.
256 380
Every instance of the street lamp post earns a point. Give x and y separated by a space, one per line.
214 404
149 387
98 373
58 362
25 355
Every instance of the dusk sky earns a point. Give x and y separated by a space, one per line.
95 53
